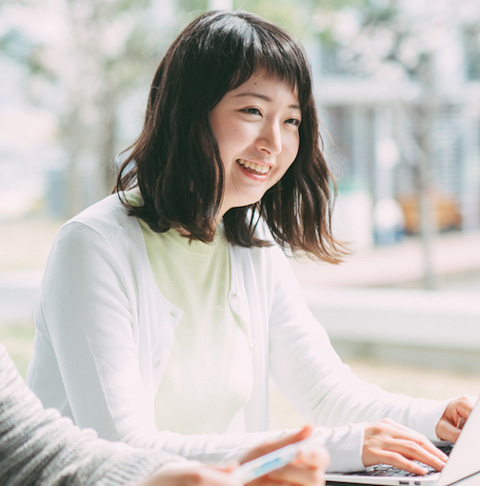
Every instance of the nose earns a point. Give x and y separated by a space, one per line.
270 139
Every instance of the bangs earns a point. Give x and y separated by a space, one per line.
257 45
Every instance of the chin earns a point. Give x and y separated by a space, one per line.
251 201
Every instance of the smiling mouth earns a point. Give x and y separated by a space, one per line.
254 168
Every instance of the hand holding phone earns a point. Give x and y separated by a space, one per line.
274 460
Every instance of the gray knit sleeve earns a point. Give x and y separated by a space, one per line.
39 447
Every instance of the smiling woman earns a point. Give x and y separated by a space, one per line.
166 307
256 129
202 71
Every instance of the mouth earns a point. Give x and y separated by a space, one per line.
254 168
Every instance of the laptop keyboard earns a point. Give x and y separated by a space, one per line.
384 470
446 449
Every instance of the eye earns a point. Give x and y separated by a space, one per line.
293 121
251 111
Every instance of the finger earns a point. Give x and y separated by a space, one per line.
456 414
419 452
447 431
303 433
401 462
417 447
399 446
228 467
418 443
432 449
193 475
465 407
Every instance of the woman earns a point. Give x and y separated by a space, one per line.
166 307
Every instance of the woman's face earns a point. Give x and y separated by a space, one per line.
256 127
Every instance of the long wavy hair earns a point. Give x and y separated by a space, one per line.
176 164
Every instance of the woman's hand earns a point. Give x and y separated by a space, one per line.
306 470
193 475
387 442
454 418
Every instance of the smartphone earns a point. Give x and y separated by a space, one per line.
274 460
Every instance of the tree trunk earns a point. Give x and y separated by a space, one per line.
428 111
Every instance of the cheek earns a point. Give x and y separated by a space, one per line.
229 137
290 152
291 149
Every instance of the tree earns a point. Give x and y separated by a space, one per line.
94 56
403 42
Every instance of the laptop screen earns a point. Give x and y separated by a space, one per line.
464 461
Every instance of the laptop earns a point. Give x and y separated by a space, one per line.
462 468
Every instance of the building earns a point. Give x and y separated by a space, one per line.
400 127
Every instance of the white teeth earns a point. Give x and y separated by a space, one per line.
261 169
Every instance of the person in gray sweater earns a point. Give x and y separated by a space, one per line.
39 447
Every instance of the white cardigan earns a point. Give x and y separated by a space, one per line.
104 333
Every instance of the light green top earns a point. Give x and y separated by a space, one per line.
209 375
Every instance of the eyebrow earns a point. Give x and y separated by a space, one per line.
264 97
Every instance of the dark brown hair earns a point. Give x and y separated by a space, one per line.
176 162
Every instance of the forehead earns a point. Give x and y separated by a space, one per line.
265 85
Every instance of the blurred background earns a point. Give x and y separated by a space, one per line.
397 83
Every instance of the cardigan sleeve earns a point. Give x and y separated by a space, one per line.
323 388
86 357
38 447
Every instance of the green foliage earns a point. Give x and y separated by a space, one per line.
15 45
189 9
340 4
374 15
126 6
288 14
471 41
